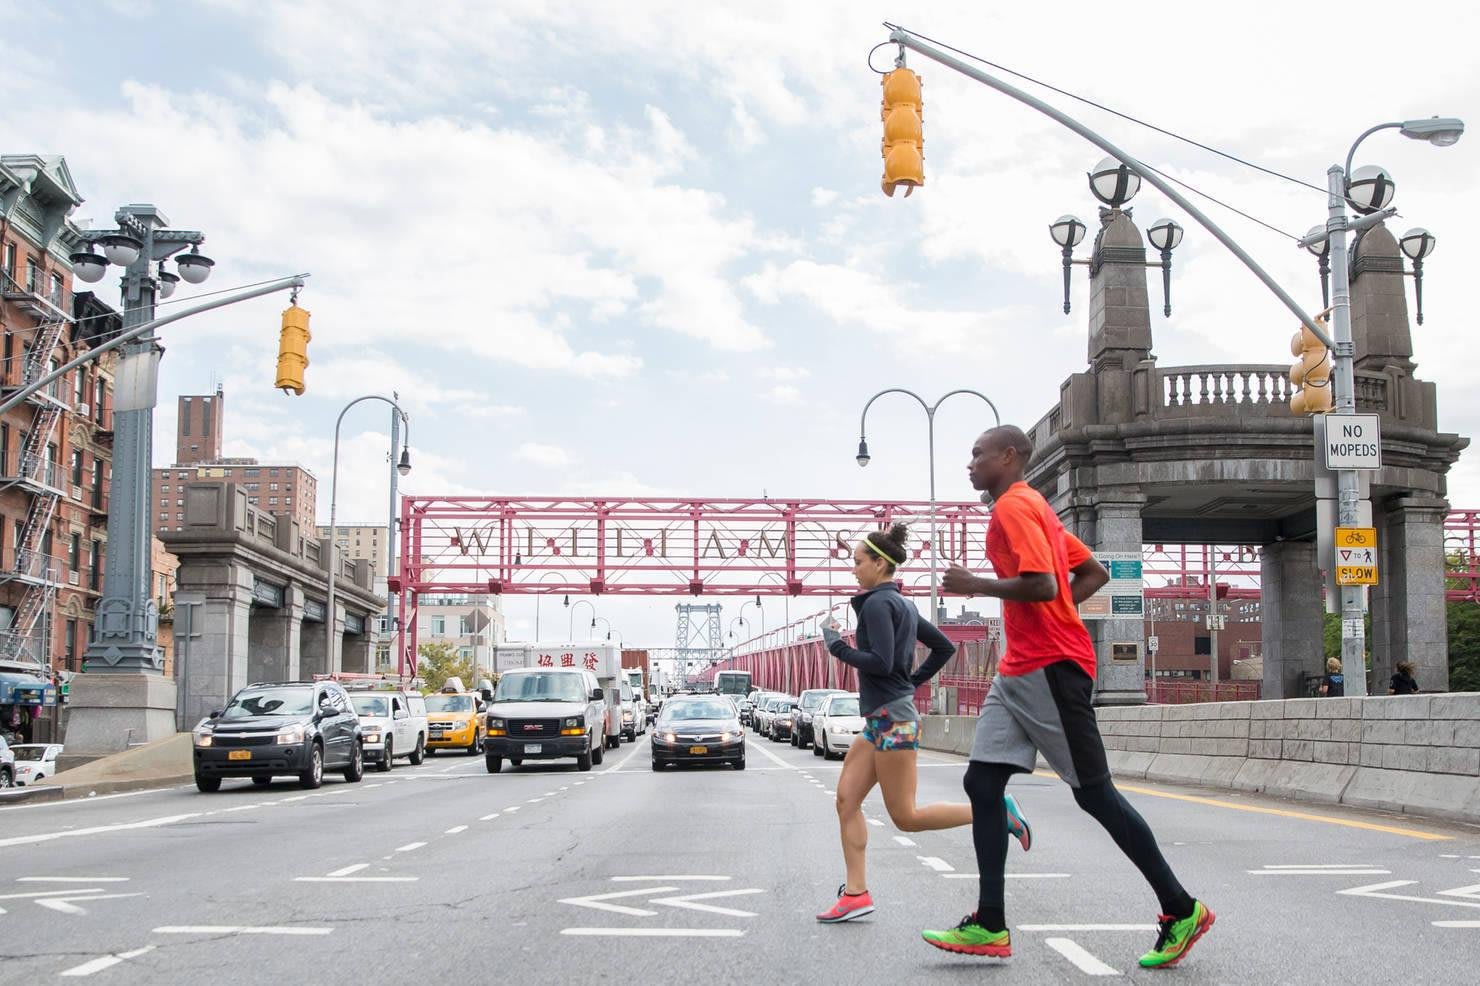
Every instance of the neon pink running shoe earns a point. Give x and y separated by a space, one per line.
848 907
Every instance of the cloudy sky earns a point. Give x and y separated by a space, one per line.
640 248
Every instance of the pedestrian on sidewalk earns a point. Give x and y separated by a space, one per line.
1333 682
1403 682
1041 702
889 626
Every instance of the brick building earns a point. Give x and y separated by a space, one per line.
276 488
56 448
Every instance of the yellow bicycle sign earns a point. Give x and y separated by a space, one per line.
1356 537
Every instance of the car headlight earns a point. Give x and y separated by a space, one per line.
735 736
203 734
293 734
496 723
369 737
576 723
806 718
668 737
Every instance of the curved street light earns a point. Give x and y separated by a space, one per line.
572 628
403 467
864 458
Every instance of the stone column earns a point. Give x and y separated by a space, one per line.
1116 526
1379 302
1293 613
293 611
1409 610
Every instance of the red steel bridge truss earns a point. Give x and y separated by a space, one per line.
743 547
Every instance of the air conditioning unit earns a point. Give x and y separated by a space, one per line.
71 578
85 410
77 492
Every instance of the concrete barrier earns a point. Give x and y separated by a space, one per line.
1416 754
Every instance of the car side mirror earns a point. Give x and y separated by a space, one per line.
487 694
216 713
597 694
400 713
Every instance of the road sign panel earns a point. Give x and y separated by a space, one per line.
1356 537
1356 574
1353 441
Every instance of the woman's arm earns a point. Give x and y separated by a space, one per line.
941 651
878 622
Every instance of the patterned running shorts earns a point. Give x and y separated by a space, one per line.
887 734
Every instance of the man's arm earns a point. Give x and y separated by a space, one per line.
1086 579
1026 587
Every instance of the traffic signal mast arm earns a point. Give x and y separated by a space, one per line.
284 284
900 36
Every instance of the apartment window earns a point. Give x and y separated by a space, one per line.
33 276
46 544
74 552
185 416
97 408
97 477
180 502
462 626
182 475
252 473
77 467
163 517
272 501
19 531
253 487
94 560
180 518
51 465
56 289
272 486
4 449
287 501
10 260
272 472
72 645
166 488
79 388
164 502
439 626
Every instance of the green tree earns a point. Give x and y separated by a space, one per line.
1464 647
439 661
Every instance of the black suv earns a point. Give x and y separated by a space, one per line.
294 727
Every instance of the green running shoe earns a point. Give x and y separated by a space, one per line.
1178 937
970 938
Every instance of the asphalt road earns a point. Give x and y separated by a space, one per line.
546 875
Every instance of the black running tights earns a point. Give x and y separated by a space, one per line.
985 784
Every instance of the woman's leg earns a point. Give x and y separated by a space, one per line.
855 782
897 779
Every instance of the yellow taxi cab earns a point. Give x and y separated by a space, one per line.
453 719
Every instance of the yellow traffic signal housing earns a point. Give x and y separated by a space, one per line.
293 350
903 110
1311 373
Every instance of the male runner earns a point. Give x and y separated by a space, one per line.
1041 702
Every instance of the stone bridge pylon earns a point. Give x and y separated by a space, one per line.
1136 453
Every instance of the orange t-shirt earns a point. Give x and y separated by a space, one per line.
1027 536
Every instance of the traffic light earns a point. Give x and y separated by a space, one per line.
902 111
1311 373
293 350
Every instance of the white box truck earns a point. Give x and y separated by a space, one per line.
602 660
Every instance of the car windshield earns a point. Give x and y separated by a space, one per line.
449 703
813 700
541 687
847 706
291 700
698 709
370 705
28 752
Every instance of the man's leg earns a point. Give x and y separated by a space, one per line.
985 784
1107 806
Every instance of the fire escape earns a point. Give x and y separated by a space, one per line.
35 571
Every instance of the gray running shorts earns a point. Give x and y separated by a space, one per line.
1049 711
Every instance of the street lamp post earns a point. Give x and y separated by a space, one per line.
1369 192
757 604
403 466
580 602
126 636
609 628
864 457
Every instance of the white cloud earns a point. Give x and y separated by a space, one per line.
823 197
784 393
786 373
547 456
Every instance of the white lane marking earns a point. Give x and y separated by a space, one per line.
148 823
551 794
106 962
488 818
1456 924
72 879
410 846
687 901
904 841
357 867
241 807
1010 876
1471 892
578 783
1449 855
1376 890
92 801
49 893
936 863
296 797
1086 927
665 879
1319 872
875 821
356 879
232 929
656 932
597 901
772 757
534 801
1085 962
64 905
511 809
565 789
1316 866
625 761
456 829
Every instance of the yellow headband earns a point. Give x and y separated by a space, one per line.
878 550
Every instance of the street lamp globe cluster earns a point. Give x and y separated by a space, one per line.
1114 183
122 250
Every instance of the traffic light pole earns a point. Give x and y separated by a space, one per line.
1343 353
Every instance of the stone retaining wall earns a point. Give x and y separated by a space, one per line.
1415 753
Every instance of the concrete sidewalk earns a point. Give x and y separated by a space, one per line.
162 764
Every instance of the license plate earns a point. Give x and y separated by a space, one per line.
438 733
698 749
239 755
534 747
